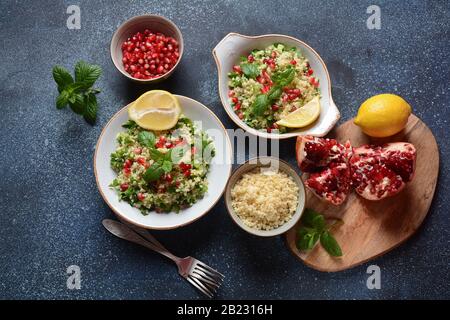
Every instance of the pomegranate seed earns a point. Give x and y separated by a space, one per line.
237 107
269 130
261 79
126 171
293 62
234 100
275 107
168 178
141 196
241 115
250 58
237 69
141 160
265 89
124 187
143 52
187 173
309 72
137 150
127 163
231 93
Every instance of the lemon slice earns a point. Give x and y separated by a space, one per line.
155 110
302 116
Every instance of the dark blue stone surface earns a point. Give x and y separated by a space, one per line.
51 211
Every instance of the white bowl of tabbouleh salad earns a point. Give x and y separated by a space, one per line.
163 179
264 78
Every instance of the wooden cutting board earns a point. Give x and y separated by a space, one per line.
372 228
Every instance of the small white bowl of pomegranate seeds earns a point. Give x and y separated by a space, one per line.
147 48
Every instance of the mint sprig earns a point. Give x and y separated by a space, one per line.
314 228
280 80
78 93
163 162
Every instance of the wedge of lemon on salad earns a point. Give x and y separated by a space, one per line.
303 116
155 110
383 115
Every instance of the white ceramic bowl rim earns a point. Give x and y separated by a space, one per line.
334 114
227 151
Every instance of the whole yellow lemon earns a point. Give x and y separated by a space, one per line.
383 115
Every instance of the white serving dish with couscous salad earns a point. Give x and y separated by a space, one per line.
274 86
165 178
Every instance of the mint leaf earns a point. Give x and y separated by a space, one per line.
260 104
285 77
330 244
250 70
87 73
166 166
153 173
78 103
62 77
307 238
312 219
90 113
156 155
130 124
274 92
147 139
62 99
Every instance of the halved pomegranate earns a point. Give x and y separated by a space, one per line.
315 153
376 172
382 171
332 183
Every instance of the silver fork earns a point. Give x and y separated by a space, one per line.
200 275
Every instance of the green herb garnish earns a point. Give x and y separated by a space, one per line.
163 161
78 93
250 70
280 79
314 228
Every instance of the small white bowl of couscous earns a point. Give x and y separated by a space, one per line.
265 196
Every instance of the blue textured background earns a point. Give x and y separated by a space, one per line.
50 209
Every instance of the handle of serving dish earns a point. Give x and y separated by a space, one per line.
227 46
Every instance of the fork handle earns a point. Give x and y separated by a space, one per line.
126 233
145 234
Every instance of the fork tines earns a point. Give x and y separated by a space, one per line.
205 278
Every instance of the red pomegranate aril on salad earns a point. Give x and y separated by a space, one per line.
237 69
143 46
137 150
293 62
141 160
126 171
275 107
124 187
141 196
168 178
187 173
127 163
250 58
